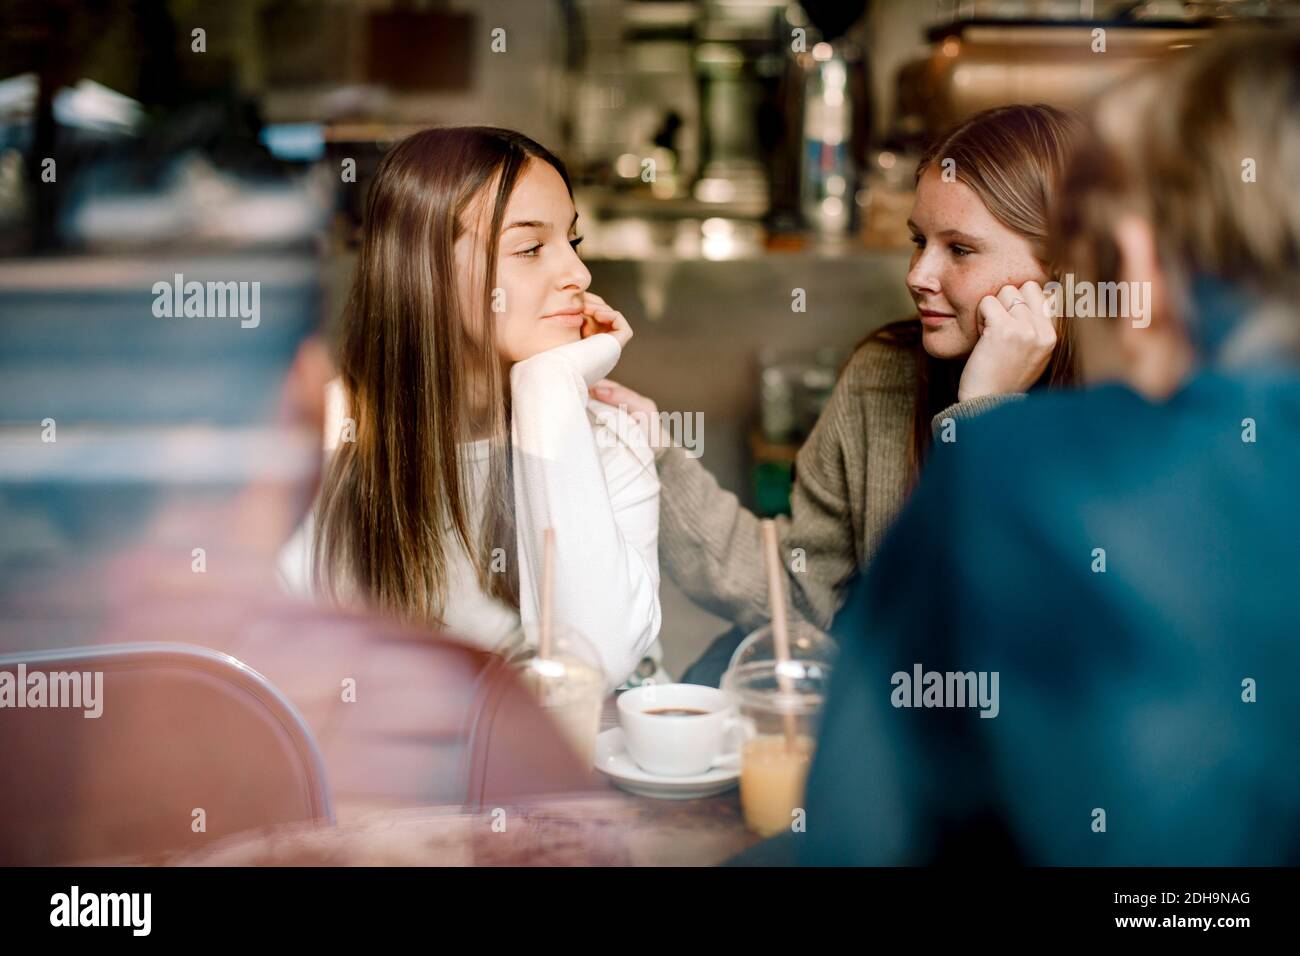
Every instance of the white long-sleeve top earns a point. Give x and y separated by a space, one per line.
584 469
598 488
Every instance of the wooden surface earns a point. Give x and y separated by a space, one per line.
611 830
608 828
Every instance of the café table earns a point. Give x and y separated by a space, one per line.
606 828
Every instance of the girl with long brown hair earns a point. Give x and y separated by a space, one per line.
982 336
464 428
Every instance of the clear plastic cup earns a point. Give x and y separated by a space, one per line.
779 706
806 644
569 684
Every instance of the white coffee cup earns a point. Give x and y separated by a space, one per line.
679 745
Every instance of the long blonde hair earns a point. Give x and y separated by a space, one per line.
418 366
1013 158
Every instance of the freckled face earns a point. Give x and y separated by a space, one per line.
540 279
962 254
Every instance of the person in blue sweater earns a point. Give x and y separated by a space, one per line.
1084 649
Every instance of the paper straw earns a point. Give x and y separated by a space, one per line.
780 633
548 587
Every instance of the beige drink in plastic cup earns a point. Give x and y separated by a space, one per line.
569 685
772 777
573 699
779 722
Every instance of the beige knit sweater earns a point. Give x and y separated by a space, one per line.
850 481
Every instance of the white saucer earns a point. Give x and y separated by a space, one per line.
613 760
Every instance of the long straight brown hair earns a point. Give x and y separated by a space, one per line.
1014 159
421 376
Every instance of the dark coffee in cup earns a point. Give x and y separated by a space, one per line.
700 740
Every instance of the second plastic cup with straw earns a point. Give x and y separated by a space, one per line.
778 705
561 667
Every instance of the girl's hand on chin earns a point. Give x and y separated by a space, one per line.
601 318
1016 340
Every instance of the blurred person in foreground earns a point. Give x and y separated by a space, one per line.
1127 575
